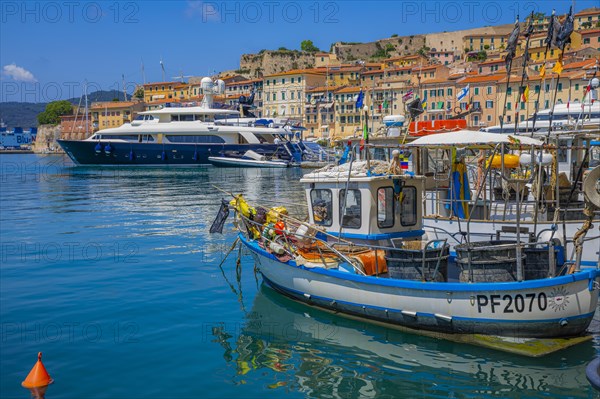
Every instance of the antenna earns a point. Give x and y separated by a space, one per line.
162 66
181 76
124 91
143 73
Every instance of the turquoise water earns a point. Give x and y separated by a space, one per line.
111 274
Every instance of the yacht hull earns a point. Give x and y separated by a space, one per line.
130 154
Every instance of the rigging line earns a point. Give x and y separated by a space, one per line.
549 38
560 59
528 34
509 69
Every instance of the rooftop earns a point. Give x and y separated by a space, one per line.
298 72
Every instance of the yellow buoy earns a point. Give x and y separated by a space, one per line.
510 161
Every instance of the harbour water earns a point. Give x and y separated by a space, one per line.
111 273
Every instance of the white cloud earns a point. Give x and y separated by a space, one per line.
18 73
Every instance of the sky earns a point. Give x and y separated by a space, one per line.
48 49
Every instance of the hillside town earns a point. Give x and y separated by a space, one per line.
455 74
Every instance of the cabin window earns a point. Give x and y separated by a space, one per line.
385 207
122 137
408 206
195 139
322 206
350 210
186 118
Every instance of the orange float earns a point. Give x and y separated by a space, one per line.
38 376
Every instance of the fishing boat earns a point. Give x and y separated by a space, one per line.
187 135
362 253
250 159
474 191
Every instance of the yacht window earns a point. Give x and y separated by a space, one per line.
175 118
385 207
350 212
322 206
140 117
122 137
195 139
186 118
408 206
227 116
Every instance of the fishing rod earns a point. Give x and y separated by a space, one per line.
548 41
524 94
511 50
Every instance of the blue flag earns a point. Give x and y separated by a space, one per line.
359 99
463 93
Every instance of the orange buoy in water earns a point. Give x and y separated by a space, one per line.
38 376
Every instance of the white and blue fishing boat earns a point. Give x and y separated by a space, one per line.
363 253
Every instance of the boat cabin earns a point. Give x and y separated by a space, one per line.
365 206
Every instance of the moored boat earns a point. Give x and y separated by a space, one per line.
361 253
249 160
187 136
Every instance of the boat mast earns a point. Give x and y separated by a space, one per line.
521 92
87 117
550 37
511 50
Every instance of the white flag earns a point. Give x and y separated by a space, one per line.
463 93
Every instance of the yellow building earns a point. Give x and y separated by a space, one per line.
343 75
586 19
406 60
323 60
483 98
347 117
161 90
114 113
569 88
284 93
484 42
319 112
537 48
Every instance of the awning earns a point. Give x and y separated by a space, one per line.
471 138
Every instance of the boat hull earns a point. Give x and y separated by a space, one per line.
129 154
245 163
559 307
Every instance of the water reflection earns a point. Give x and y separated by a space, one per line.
323 355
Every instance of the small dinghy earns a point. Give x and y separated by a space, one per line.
250 160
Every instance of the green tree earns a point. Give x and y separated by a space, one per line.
308 46
139 92
53 112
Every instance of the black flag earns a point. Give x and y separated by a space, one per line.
511 46
564 34
217 226
553 27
